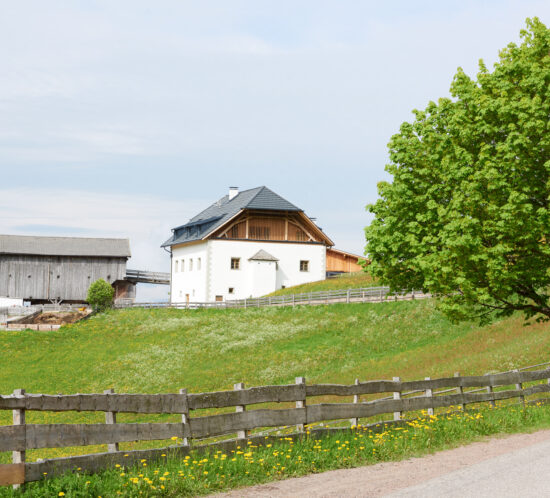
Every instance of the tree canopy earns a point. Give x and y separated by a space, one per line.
466 216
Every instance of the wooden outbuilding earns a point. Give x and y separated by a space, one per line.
61 269
342 261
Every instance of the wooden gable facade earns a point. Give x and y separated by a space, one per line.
273 226
342 262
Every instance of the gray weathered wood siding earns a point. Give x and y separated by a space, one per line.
55 277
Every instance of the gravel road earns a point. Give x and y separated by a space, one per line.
512 466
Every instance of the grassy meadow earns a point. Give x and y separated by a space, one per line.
163 350
344 281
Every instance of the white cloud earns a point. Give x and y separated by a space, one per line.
145 220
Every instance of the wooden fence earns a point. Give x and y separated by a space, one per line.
411 396
357 295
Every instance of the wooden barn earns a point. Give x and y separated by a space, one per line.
342 262
50 269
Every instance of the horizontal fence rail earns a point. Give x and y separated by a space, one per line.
353 295
405 396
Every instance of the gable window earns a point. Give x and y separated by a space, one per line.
304 265
235 263
198 263
259 232
231 290
190 265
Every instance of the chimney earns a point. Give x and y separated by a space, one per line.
233 192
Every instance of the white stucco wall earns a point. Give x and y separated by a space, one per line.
262 277
222 277
192 282
252 279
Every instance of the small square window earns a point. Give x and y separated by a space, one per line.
231 290
304 265
235 263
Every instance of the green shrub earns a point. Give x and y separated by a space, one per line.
100 295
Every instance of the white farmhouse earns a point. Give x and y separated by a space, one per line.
247 244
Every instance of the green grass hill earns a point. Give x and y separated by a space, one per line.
137 350
343 281
163 350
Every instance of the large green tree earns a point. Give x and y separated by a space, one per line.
466 216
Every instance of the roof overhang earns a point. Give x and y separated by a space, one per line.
345 253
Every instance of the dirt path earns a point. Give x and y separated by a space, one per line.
413 477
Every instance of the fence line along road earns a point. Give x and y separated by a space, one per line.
428 394
354 295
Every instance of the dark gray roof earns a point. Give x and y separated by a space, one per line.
259 198
64 246
262 255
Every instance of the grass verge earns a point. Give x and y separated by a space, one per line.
199 474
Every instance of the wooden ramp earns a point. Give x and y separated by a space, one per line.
148 277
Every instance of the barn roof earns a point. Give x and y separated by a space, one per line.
64 246
213 217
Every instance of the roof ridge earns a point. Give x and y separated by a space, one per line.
260 189
62 237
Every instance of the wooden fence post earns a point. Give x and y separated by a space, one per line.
185 419
429 394
301 403
243 434
490 390
19 419
519 387
397 395
355 421
381 300
347 296
110 418
460 390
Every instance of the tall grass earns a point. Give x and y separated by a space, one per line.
199 473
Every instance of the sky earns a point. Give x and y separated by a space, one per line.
127 118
